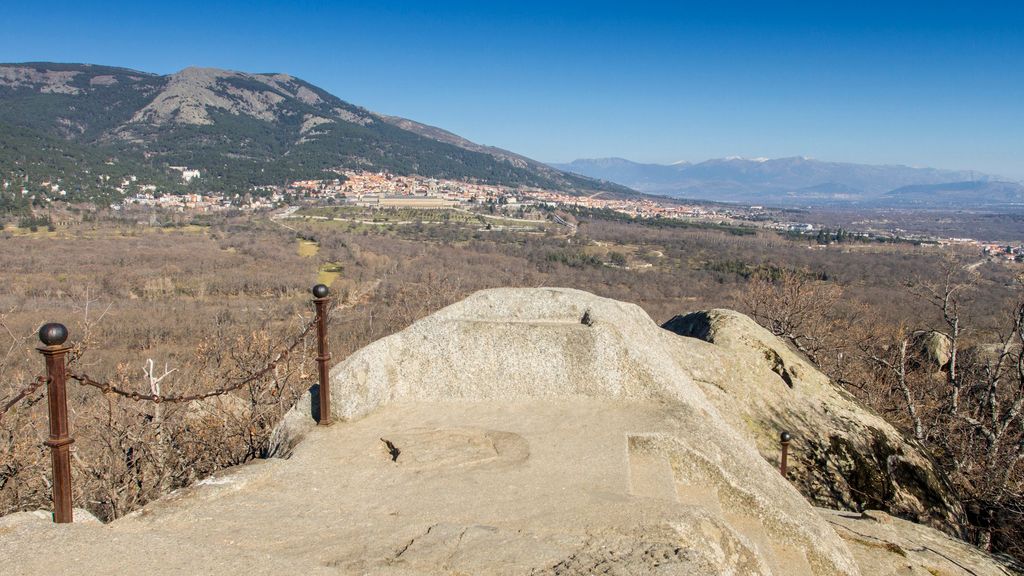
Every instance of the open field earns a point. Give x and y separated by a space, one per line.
328 272
412 216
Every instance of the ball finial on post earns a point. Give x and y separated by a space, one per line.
322 300
784 439
53 334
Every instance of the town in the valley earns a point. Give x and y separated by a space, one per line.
378 190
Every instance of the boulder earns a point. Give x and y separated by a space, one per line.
294 426
932 349
530 431
842 454
508 345
888 546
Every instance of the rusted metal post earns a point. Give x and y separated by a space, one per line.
322 298
53 337
784 439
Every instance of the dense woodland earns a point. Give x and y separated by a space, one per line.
204 301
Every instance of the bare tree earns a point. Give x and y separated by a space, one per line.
894 359
947 296
975 418
807 312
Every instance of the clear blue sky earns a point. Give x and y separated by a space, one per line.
922 83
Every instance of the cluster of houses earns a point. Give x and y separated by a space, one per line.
1004 252
180 203
635 207
385 190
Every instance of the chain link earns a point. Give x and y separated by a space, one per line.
106 387
25 392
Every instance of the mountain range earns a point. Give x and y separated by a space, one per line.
87 126
803 181
85 129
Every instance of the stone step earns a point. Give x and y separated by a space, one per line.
703 496
650 476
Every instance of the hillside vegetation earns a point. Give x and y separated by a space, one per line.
86 126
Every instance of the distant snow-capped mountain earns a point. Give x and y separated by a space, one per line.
805 181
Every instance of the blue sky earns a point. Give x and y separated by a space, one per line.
921 83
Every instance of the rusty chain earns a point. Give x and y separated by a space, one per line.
25 392
106 387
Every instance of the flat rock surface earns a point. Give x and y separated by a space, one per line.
529 487
497 488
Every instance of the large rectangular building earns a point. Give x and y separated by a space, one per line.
422 202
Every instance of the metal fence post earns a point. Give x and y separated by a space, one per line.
321 298
784 439
53 337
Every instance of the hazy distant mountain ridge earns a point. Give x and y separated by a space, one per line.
239 129
802 181
983 191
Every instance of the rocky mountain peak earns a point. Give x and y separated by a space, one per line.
190 95
248 128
